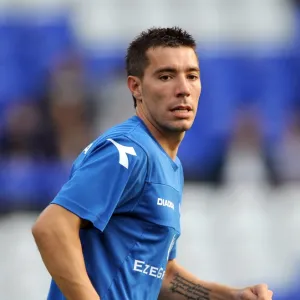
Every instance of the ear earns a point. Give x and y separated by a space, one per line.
135 87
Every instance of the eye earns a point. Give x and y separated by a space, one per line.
192 76
165 77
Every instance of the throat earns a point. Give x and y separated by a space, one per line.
171 150
168 140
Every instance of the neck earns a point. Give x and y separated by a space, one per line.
169 141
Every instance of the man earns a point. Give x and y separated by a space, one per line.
111 231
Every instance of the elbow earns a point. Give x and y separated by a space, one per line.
38 231
44 235
55 224
43 226
42 230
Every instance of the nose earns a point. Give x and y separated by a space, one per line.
183 87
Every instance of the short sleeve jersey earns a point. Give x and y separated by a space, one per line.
127 186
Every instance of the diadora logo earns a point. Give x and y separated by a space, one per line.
123 151
143 267
163 202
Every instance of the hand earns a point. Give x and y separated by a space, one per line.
257 292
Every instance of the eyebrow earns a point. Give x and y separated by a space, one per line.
174 70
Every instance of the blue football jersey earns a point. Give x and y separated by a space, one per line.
127 186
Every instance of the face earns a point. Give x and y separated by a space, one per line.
170 89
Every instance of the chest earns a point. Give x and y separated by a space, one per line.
160 204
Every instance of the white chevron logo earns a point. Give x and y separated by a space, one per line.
123 151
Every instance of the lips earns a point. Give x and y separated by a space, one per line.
182 108
182 111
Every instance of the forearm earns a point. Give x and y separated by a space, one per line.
179 284
62 256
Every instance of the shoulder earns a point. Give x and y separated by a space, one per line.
115 147
129 143
120 137
135 133
118 145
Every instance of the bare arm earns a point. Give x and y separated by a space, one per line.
56 233
179 284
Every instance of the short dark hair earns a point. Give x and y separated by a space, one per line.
136 58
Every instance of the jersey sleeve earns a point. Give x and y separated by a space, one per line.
110 176
173 252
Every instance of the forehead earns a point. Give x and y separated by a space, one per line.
177 57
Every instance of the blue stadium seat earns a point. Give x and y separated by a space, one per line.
275 96
296 58
292 292
11 73
45 43
102 64
53 37
295 61
29 47
30 183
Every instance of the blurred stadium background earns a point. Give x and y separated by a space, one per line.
62 83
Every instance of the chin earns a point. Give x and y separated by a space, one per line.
180 126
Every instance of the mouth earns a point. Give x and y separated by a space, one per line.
182 112
182 108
